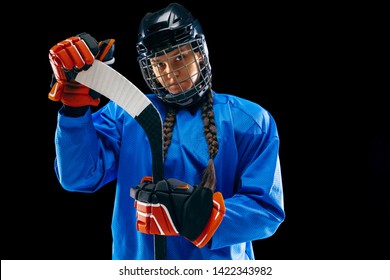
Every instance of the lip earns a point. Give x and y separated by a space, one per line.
175 88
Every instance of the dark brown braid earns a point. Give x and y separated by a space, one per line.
210 132
169 123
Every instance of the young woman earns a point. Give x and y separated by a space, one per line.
222 186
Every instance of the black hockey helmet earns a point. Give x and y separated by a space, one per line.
166 30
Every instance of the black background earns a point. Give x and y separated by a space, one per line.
298 62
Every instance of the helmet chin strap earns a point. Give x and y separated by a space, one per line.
185 103
190 103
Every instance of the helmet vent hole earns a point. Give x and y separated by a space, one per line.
156 27
183 33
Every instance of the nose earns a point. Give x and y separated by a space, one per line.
171 72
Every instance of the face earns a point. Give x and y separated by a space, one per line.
177 70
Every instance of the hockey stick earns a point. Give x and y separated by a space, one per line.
110 83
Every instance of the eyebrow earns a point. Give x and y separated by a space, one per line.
174 53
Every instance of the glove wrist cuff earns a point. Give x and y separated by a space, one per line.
74 112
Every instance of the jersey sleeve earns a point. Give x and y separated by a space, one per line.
256 209
84 161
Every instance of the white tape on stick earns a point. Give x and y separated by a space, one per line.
110 83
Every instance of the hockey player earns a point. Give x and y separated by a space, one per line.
222 186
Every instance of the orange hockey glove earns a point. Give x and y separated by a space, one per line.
71 56
172 207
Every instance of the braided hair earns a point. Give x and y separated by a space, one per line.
210 132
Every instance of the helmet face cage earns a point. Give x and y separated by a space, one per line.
200 80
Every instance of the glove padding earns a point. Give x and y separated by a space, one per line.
71 56
172 207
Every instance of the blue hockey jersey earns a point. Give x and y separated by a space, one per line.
109 144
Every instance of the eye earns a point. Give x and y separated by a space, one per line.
160 65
